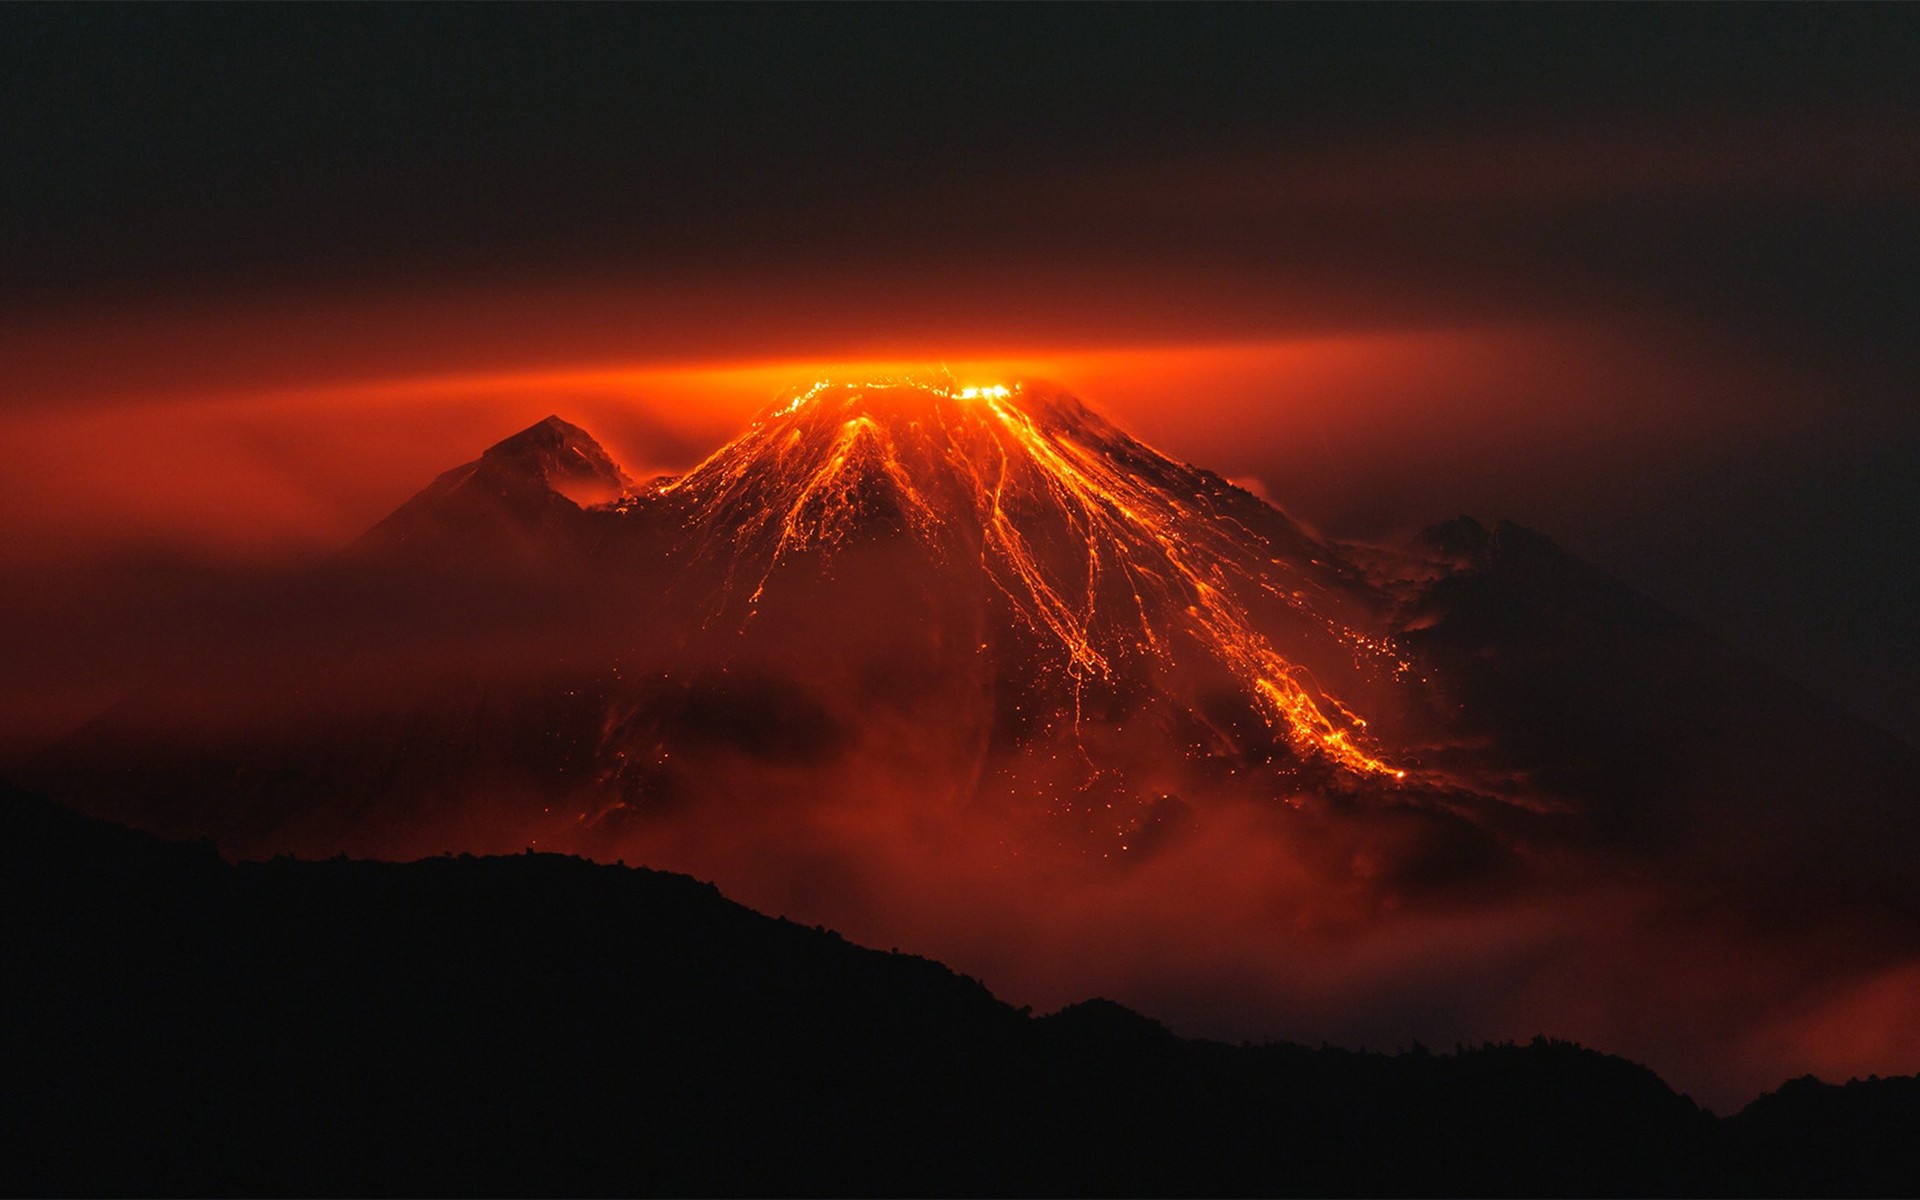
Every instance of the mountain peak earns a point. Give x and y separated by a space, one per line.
563 457
551 430
537 479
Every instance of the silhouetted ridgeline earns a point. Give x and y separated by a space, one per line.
542 1025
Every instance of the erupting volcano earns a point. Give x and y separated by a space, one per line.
971 669
1116 563
1089 629
880 600
1106 565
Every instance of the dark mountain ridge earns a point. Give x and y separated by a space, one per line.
539 1025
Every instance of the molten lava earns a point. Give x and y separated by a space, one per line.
1120 560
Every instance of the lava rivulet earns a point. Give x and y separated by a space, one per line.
1103 548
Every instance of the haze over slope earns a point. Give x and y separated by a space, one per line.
971 670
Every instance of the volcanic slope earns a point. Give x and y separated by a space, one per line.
1072 596
1114 562
991 593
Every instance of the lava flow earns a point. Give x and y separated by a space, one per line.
1119 560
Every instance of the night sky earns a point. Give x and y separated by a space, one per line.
1641 277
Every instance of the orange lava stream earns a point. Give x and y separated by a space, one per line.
798 478
1114 504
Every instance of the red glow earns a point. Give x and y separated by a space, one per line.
187 436
254 443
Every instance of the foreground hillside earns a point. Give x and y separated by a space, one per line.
541 1025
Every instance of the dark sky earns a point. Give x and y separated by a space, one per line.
161 147
1730 191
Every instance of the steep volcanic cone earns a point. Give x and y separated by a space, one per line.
909 593
1096 629
1113 558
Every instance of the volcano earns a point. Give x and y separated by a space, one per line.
1097 566
970 668
1093 631
997 599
